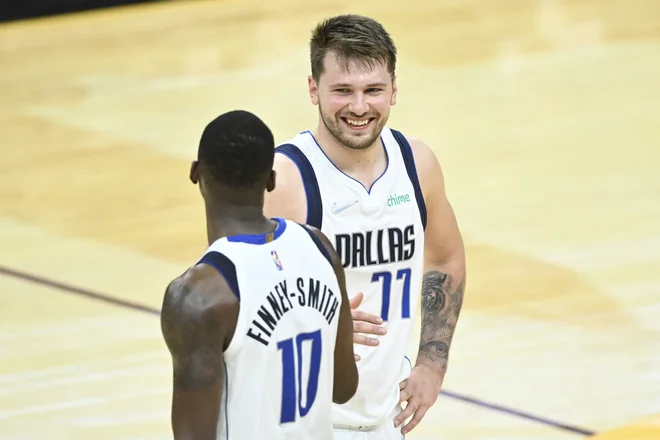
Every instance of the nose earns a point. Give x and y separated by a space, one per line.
358 105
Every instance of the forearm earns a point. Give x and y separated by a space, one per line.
195 413
442 299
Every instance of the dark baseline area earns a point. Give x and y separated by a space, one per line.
12 10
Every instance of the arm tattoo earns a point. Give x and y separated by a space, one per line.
191 330
442 299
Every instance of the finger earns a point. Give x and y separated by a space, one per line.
370 329
403 384
365 340
356 300
404 396
359 315
419 415
409 411
357 357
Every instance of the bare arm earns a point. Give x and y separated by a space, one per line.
444 265
442 292
346 373
193 324
288 199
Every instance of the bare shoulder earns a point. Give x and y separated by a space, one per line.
198 308
288 199
429 171
197 291
285 166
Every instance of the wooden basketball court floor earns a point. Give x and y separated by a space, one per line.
544 115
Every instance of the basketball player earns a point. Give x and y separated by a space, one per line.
260 329
380 197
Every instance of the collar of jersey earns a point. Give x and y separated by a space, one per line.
260 238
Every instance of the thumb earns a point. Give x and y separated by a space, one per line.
356 300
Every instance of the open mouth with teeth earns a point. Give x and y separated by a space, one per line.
358 124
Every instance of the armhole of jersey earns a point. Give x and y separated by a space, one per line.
409 160
225 267
319 244
312 191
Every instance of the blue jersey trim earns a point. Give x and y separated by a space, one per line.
311 184
387 165
260 238
225 267
409 160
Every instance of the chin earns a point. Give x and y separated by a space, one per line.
359 142
354 139
357 146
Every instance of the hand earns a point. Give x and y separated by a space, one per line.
420 391
364 322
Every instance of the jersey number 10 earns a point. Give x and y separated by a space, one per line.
387 290
292 400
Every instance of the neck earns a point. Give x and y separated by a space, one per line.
224 219
347 159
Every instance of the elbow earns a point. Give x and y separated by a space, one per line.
454 265
346 386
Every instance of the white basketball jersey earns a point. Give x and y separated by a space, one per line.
280 362
379 235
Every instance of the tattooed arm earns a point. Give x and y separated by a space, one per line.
442 291
198 319
444 265
442 299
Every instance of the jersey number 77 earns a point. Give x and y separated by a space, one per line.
386 277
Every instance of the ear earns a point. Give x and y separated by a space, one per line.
270 184
394 90
194 172
313 90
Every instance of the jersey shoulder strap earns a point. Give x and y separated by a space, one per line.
311 184
411 169
225 267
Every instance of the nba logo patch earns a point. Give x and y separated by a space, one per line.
276 259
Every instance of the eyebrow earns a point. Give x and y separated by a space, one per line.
380 84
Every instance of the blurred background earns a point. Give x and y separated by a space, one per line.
543 113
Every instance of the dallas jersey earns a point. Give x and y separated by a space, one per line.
379 235
280 362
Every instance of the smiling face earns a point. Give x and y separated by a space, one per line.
354 99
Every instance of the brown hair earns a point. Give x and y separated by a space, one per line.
352 38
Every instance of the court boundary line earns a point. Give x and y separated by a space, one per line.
77 290
108 299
